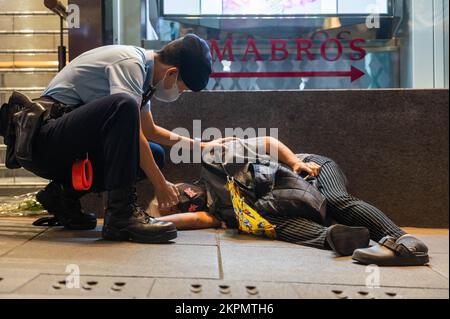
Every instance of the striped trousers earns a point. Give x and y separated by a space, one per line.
344 208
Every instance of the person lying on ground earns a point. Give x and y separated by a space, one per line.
346 224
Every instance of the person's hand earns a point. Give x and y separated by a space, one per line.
226 140
217 144
312 169
167 195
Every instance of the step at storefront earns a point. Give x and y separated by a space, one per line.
29 37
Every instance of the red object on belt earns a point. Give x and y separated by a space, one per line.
82 175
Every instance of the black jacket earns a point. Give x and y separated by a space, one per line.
272 189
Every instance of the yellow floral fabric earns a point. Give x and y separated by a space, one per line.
250 221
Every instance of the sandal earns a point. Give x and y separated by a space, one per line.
405 251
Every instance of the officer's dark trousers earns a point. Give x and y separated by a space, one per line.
107 130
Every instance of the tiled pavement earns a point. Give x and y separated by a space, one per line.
36 262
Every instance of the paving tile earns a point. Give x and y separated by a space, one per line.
119 260
206 237
311 291
316 266
34 260
218 289
440 264
56 248
88 287
19 225
15 233
231 237
13 278
437 244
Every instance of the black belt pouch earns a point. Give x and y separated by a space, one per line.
28 122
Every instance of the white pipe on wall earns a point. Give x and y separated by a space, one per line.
428 44
117 21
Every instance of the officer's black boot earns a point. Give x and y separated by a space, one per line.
66 207
125 221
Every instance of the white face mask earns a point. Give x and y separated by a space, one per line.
166 95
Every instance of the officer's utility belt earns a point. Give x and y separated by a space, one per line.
21 121
54 109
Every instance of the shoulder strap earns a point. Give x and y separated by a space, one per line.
146 97
398 249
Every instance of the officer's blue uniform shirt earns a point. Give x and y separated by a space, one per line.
102 72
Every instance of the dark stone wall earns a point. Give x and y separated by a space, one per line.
391 144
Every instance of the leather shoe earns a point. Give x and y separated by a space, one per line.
344 239
66 208
126 221
405 251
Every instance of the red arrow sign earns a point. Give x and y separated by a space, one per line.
354 74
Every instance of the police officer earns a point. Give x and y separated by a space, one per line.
109 89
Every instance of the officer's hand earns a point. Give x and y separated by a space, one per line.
217 144
167 195
312 169
226 140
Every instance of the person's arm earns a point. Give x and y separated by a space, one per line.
166 193
286 156
165 137
161 135
127 76
192 221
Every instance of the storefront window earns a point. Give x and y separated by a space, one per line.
304 44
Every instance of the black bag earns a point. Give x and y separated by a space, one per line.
214 178
7 130
269 188
23 120
28 122
285 193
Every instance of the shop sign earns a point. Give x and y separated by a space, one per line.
331 50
